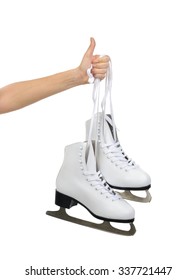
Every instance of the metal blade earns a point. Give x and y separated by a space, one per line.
129 196
104 226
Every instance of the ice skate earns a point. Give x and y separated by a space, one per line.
78 182
119 171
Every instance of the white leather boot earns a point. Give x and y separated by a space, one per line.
79 182
119 171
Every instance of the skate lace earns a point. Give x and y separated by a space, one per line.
96 97
108 96
115 152
96 180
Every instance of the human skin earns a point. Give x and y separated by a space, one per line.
20 94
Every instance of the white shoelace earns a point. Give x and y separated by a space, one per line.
108 95
96 180
96 97
115 152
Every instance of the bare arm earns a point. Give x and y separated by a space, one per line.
21 94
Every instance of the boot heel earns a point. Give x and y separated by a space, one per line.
64 201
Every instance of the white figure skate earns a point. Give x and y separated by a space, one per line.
79 182
119 171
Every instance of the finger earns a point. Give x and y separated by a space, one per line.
89 53
99 76
99 59
98 72
101 65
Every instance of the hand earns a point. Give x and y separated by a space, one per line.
99 64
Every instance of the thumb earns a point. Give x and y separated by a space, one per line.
89 53
88 57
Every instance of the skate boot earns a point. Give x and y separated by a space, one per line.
78 182
119 171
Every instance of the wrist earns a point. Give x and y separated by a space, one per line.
81 76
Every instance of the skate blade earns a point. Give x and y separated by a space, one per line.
104 226
129 196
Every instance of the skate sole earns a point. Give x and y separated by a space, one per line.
66 201
131 189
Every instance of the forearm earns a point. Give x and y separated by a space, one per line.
21 94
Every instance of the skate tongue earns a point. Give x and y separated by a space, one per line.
91 162
108 135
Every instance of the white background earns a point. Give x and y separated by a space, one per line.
152 45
